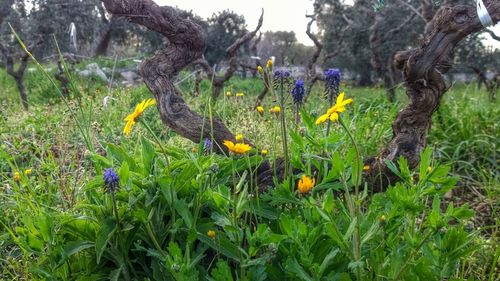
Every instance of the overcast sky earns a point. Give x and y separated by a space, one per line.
286 15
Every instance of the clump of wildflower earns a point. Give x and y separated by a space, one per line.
282 74
306 184
131 119
228 94
240 94
17 176
238 148
269 63
298 92
260 109
332 78
333 113
28 172
207 145
211 233
260 69
276 109
239 137
111 180
264 152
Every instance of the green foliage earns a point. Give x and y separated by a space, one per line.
59 223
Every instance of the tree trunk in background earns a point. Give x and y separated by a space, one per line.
425 86
22 92
102 47
186 44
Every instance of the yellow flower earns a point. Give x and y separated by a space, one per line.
239 137
27 172
239 148
382 219
275 109
260 69
366 168
269 63
240 94
429 169
333 113
264 152
132 118
17 176
260 109
228 94
211 233
305 184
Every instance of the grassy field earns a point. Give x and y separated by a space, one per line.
183 213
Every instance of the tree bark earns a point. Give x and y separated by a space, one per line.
186 44
425 86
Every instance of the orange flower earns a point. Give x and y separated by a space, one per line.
306 184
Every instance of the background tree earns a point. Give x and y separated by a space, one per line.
354 58
13 14
223 29
278 44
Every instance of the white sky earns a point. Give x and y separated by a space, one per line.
286 15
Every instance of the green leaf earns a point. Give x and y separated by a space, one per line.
105 233
222 272
148 155
183 209
75 247
293 266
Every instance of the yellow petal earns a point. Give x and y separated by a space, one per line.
322 119
334 117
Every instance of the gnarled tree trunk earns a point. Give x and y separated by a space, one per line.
425 86
186 43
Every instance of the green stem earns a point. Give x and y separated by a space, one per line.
115 209
157 140
357 204
153 238
283 127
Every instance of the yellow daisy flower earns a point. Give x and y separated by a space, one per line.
27 172
260 109
240 94
238 148
264 152
211 233
269 63
131 119
228 94
17 176
276 109
333 113
260 69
